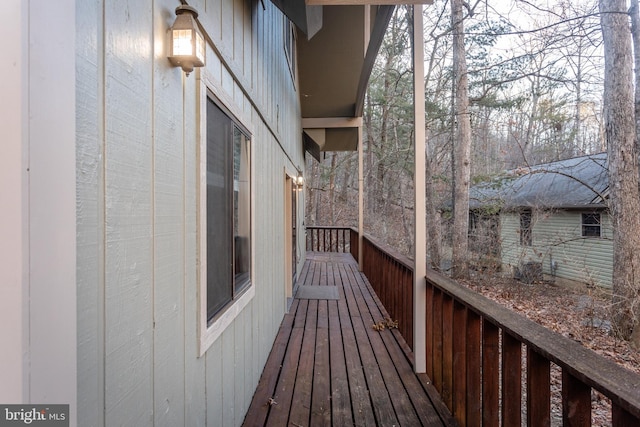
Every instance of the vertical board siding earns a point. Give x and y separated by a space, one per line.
89 212
195 368
168 276
137 175
557 236
214 379
129 214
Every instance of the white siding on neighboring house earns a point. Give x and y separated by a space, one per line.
557 237
137 200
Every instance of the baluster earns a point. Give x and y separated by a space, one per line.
473 370
429 328
622 418
459 363
538 390
511 380
437 340
447 351
576 402
490 374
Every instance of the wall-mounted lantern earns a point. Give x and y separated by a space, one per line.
186 44
299 181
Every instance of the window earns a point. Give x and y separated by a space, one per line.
290 46
591 226
525 228
228 210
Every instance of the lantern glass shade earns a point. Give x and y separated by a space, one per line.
186 44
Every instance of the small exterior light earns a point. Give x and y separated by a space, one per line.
299 181
186 44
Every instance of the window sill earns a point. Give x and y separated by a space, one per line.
209 334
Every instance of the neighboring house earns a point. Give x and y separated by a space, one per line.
150 234
553 219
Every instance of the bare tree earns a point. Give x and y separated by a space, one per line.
620 134
462 147
634 12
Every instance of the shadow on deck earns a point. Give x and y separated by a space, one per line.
330 366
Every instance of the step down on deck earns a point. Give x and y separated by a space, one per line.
318 292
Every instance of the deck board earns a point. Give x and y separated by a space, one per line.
329 367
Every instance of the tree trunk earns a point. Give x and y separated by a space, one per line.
462 148
634 11
332 187
433 219
620 134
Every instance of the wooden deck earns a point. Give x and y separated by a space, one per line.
329 366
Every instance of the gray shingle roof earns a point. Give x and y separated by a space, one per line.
574 183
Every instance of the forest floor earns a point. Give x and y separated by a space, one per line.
581 314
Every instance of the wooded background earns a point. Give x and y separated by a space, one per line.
534 77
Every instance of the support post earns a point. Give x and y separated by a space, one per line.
367 33
360 195
420 246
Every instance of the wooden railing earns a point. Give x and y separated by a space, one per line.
391 276
479 372
491 365
332 239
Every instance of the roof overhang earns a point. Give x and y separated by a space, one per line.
337 45
367 2
307 17
331 134
334 69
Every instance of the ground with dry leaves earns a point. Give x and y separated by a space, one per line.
581 314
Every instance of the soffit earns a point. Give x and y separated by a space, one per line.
372 2
330 63
333 71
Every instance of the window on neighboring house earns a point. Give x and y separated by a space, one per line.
290 46
525 227
591 226
228 210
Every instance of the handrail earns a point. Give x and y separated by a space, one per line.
474 350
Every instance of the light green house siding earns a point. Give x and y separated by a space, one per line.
557 240
137 210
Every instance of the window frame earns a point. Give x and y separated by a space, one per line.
210 330
584 225
526 227
289 37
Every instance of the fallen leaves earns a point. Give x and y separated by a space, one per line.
386 323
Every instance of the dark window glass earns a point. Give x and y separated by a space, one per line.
591 225
228 210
